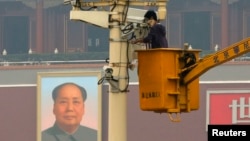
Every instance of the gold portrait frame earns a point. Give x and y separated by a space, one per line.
46 81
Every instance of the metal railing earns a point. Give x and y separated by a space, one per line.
75 58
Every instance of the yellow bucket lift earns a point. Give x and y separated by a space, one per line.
169 77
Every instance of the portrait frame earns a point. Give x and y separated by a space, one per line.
47 81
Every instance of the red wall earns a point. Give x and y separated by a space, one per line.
18 116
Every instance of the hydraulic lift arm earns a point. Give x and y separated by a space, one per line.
222 56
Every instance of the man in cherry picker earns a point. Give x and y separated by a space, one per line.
156 37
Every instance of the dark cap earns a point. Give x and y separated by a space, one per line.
151 13
57 88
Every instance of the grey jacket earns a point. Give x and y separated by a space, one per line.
82 134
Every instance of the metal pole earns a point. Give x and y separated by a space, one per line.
117 129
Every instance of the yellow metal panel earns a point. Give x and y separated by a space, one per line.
159 82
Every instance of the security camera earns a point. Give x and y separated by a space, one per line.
114 83
135 15
72 2
108 72
134 21
107 68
